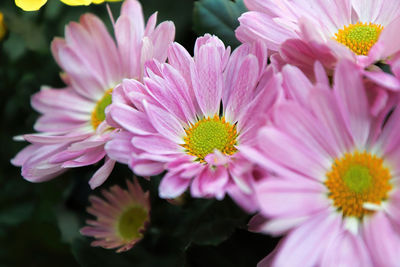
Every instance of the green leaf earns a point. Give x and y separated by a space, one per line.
212 221
219 17
90 256
32 34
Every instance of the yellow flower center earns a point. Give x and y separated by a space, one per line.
209 134
98 114
130 222
359 37
356 179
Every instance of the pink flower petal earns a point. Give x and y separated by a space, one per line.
207 79
120 147
162 37
347 250
165 123
383 240
291 197
172 185
102 174
354 102
131 119
156 144
305 245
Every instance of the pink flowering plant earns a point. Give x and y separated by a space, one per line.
200 133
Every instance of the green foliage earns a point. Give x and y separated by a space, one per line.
218 17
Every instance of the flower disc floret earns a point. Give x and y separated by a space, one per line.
209 134
355 179
359 37
131 222
98 114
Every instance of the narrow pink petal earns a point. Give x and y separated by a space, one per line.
320 74
82 80
133 10
171 92
347 250
182 91
328 112
181 60
275 226
259 5
254 116
106 49
102 174
135 92
90 157
156 144
162 37
259 26
303 126
65 155
291 153
24 155
49 99
291 197
120 147
388 39
211 183
351 96
48 138
131 119
36 167
296 84
93 142
382 239
207 79
172 185
146 53
244 81
384 79
389 139
145 167
304 54
314 236
128 35
165 123
246 201
41 172
151 24
79 39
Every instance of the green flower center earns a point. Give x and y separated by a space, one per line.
98 114
209 134
357 178
130 222
359 37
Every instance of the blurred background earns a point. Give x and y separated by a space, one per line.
39 223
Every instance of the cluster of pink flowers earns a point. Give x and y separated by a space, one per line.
298 124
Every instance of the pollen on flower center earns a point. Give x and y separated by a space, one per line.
355 179
131 222
209 134
359 37
98 114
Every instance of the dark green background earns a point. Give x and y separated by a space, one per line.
39 223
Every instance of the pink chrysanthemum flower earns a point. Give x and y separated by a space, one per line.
334 186
121 218
72 126
363 31
196 114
